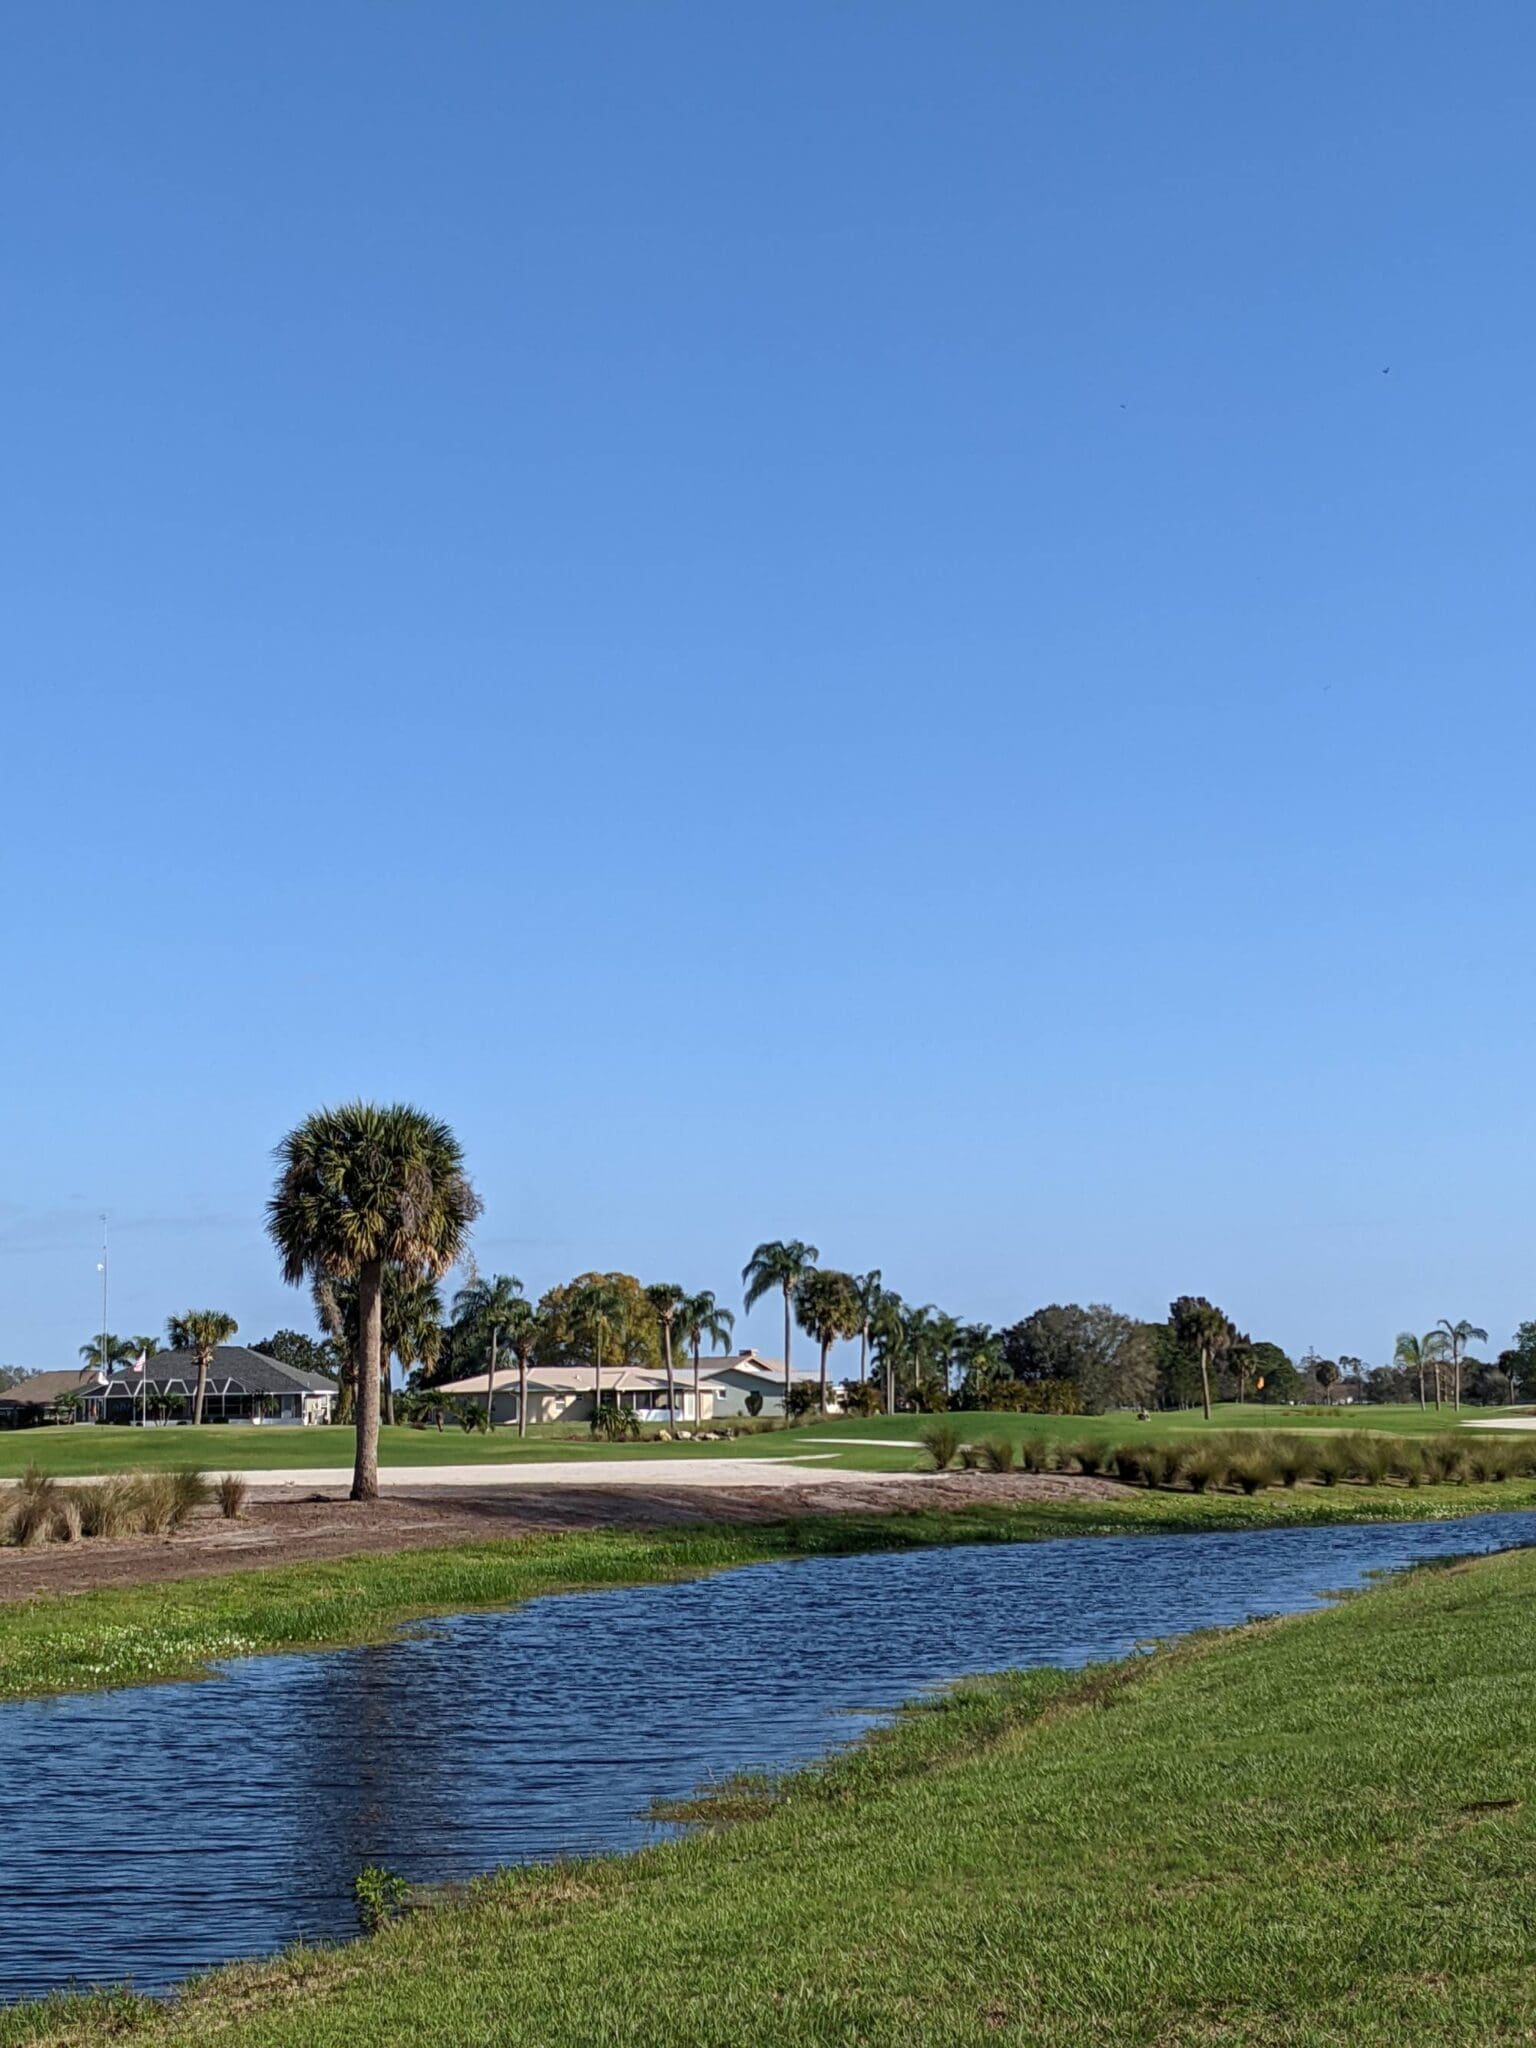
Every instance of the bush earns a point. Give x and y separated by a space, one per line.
1205 1468
941 1440
232 1493
860 1397
1252 1470
1166 1463
1088 1456
1366 1457
1036 1454
754 1404
189 1490
995 1454
1130 1463
804 1398
1445 1460
1329 1465
379 1896
615 1425
110 1508
1295 1459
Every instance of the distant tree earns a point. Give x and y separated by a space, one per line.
828 1308
1281 1382
888 1336
1386 1383
105 1351
1416 1355
1487 1385
303 1353
1327 1375
601 1320
1457 1338
486 1310
362 1188
860 1397
983 1374
778 1263
666 1298
147 1346
700 1316
1519 1362
1204 1330
871 1289
200 1331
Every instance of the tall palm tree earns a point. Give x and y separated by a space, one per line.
778 1263
200 1331
871 1294
411 1329
1458 1336
888 1334
667 1298
827 1307
1413 1354
361 1188
105 1351
1202 1328
523 1333
596 1316
488 1308
700 1316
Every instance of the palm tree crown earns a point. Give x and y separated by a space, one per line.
105 1351
828 1306
200 1331
779 1262
360 1188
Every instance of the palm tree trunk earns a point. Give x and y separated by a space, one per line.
522 1393
202 1387
597 1375
890 1384
386 1385
1422 1403
826 1346
1205 1381
666 1333
370 1326
1437 1386
863 1351
490 1381
697 1341
786 1351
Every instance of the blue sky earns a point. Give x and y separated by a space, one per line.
909 625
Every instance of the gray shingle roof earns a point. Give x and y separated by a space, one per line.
235 1367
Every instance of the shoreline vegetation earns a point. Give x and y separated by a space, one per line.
178 1629
1244 1836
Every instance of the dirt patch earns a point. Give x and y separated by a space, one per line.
319 1527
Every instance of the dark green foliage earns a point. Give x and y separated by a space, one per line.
379 1896
615 1425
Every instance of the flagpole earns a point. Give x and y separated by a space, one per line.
104 1293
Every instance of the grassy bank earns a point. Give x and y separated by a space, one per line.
877 1443
132 1635
1310 1831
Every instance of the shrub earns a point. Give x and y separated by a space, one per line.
754 1404
110 1508
995 1454
1366 1457
1130 1462
1329 1465
1445 1460
804 1398
379 1895
155 1496
66 1525
941 1440
189 1490
1206 1467
1253 1470
1036 1454
1295 1459
1088 1456
232 1492
1165 1463
860 1397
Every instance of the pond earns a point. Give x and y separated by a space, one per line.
157 1831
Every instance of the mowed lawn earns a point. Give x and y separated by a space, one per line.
878 1443
1311 1831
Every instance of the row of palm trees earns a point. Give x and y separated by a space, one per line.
1438 1358
200 1331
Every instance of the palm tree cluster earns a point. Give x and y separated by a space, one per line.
1437 1358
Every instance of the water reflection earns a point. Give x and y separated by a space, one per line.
153 1832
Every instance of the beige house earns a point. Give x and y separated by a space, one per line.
740 1373
563 1393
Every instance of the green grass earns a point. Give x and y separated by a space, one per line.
1315 1832
133 1635
87 1448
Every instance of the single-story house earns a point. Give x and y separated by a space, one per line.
739 1373
563 1393
243 1386
37 1398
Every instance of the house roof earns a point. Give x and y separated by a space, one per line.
749 1365
42 1389
234 1369
558 1379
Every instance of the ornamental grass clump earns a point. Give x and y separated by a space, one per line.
994 1454
941 1440
1205 1468
1089 1457
1253 1470
1329 1465
1166 1463
1036 1454
232 1491
1131 1463
1445 1461
1366 1457
110 1508
189 1490
1295 1459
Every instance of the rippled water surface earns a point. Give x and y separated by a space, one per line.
153 1832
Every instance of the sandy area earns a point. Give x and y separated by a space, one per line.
302 1523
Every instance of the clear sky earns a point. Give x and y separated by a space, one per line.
903 624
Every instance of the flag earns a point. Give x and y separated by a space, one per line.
138 1363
